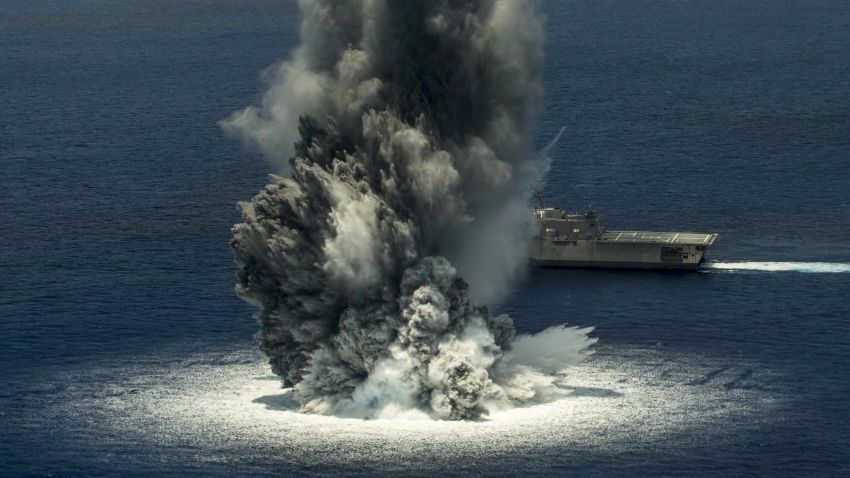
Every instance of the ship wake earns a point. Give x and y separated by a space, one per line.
759 266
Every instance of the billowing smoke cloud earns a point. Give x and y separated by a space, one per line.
411 168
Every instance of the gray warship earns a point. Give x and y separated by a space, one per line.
579 240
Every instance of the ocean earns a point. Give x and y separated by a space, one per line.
125 351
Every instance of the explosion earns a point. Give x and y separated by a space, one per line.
411 168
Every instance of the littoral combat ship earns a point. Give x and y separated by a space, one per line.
579 240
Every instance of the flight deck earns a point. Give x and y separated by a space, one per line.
660 237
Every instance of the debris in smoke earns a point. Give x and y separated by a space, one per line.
411 169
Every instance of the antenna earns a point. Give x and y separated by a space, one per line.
539 198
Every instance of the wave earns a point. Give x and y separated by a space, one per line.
808 267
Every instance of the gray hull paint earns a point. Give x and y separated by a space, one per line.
615 265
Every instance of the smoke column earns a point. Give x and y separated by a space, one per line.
411 168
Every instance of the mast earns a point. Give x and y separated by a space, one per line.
539 199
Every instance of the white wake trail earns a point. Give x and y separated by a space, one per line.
808 267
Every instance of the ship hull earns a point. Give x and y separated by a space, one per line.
614 265
600 253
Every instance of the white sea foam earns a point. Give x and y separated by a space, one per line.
233 408
809 267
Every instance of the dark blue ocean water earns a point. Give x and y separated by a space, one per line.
117 192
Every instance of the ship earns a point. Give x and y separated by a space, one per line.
580 240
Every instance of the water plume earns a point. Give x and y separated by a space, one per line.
411 168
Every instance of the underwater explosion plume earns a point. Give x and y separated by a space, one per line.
411 168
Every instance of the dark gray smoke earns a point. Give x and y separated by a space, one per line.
411 155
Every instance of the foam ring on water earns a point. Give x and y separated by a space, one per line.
618 398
